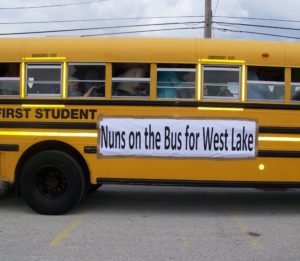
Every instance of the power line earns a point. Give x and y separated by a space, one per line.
257 33
259 18
99 19
100 28
145 18
216 8
259 25
47 6
146 31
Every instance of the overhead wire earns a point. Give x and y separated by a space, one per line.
257 33
259 18
150 17
215 21
50 6
216 8
259 25
99 19
101 28
145 31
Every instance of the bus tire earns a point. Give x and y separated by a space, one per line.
52 182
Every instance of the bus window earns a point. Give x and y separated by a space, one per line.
9 78
265 83
176 81
87 80
295 84
43 79
220 82
130 79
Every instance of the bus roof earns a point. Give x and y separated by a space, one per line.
156 50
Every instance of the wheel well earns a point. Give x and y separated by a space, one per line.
50 145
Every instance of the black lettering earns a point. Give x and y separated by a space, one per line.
47 112
239 142
233 148
207 138
179 141
19 113
244 142
27 110
167 142
55 114
131 140
250 142
10 113
216 141
104 136
74 114
93 113
65 114
123 140
38 113
84 114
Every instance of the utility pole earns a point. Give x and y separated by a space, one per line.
208 19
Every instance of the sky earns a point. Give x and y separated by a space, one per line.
150 18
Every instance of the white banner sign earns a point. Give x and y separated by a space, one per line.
156 137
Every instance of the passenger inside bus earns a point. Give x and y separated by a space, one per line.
187 89
257 91
74 89
132 87
95 73
224 92
167 82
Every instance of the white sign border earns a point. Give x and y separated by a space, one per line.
101 156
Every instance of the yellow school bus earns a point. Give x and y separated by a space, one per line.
76 113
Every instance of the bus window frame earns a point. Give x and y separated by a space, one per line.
86 64
223 67
130 79
12 79
275 83
43 65
293 84
177 69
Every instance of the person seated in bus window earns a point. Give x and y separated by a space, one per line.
132 88
92 89
257 91
74 89
205 91
224 92
296 96
187 89
168 81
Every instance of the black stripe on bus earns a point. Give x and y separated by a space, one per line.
278 154
196 183
48 125
279 130
9 147
270 106
261 153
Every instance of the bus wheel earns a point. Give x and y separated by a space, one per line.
52 182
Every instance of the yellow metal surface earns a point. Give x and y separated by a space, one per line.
152 51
